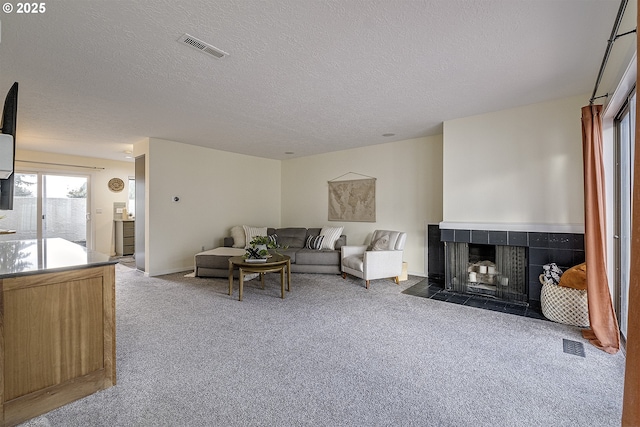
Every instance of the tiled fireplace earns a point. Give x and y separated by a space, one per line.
497 271
505 264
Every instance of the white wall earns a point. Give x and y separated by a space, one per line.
408 191
521 166
102 199
217 190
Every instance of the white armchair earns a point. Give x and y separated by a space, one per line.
381 259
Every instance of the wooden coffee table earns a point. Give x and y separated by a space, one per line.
277 263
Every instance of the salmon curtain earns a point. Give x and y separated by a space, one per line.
604 332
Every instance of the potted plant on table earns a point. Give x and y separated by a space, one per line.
258 251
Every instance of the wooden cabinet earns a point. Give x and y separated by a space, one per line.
57 341
125 237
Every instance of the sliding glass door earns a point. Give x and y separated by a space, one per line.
64 208
24 216
48 205
625 149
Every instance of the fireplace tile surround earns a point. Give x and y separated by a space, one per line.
566 249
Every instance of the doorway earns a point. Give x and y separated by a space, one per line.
140 196
49 205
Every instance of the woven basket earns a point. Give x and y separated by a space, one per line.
564 305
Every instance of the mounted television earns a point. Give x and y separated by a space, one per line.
8 147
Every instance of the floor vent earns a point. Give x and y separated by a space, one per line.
202 46
573 347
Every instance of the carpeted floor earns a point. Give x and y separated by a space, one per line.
126 260
334 354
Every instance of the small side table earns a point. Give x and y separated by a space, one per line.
277 263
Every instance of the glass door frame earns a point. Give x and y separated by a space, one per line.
40 188
623 158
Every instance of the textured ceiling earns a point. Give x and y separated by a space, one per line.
302 76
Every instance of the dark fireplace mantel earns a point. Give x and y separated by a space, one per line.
566 249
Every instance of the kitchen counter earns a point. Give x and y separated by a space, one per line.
23 257
57 326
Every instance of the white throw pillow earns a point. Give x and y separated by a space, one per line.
381 244
251 232
239 240
331 234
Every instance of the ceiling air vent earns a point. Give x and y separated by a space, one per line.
202 46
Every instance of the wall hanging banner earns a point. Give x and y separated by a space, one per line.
353 200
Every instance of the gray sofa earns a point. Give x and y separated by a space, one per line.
303 260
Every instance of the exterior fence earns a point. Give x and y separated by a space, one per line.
65 218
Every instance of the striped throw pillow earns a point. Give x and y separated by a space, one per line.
314 242
251 232
331 234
